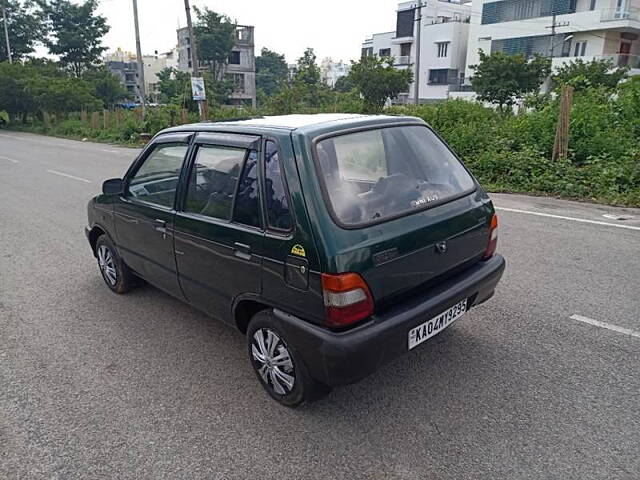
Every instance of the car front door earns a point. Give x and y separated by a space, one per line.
145 213
218 226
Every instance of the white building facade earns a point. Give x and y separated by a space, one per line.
331 72
444 31
585 29
124 65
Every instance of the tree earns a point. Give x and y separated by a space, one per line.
175 88
500 78
62 94
13 97
25 24
307 70
271 71
106 86
344 84
36 85
215 36
378 80
75 33
596 73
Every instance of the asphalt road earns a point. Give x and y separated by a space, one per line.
96 385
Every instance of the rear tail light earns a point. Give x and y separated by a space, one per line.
493 238
347 299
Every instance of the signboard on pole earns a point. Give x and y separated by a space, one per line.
197 89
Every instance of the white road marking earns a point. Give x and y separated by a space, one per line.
9 159
608 326
69 176
573 219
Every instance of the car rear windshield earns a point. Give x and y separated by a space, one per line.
374 175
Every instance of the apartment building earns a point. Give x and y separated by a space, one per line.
240 68
123 64
331 71
586 29
444 29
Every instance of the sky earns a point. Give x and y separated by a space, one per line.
333 28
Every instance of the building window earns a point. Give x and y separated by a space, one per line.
444 76
510 10
404 25
527 46
592 6
384 52
443 49
405 49
439 76
234 58
580 49
367 52
237 80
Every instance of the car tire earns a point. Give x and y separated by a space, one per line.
114 272
277 364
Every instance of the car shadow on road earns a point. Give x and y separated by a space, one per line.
443 372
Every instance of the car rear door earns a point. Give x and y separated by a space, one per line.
218 228
145 212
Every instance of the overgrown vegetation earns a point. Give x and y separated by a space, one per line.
512 153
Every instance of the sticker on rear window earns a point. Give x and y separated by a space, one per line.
424 200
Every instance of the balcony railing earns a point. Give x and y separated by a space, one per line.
439 20
613 14
616 59
403 60
623 60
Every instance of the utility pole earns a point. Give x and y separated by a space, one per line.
553 26
416 76
141 88
6 32
194 57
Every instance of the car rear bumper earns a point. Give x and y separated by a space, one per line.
340 358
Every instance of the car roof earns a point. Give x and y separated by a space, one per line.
304 123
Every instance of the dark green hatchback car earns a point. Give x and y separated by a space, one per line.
334 242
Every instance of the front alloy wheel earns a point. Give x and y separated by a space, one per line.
114 272
273 361
107 265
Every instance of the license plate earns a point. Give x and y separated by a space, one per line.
428 329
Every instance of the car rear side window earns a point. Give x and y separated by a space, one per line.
156 179
213 179
383 173
247 205
276 198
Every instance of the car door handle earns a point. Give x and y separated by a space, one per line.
160 225
241 250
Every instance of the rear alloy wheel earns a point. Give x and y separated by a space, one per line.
116 274
278 366
273 361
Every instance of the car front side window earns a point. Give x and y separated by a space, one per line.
157 178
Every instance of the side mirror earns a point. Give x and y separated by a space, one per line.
113 186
